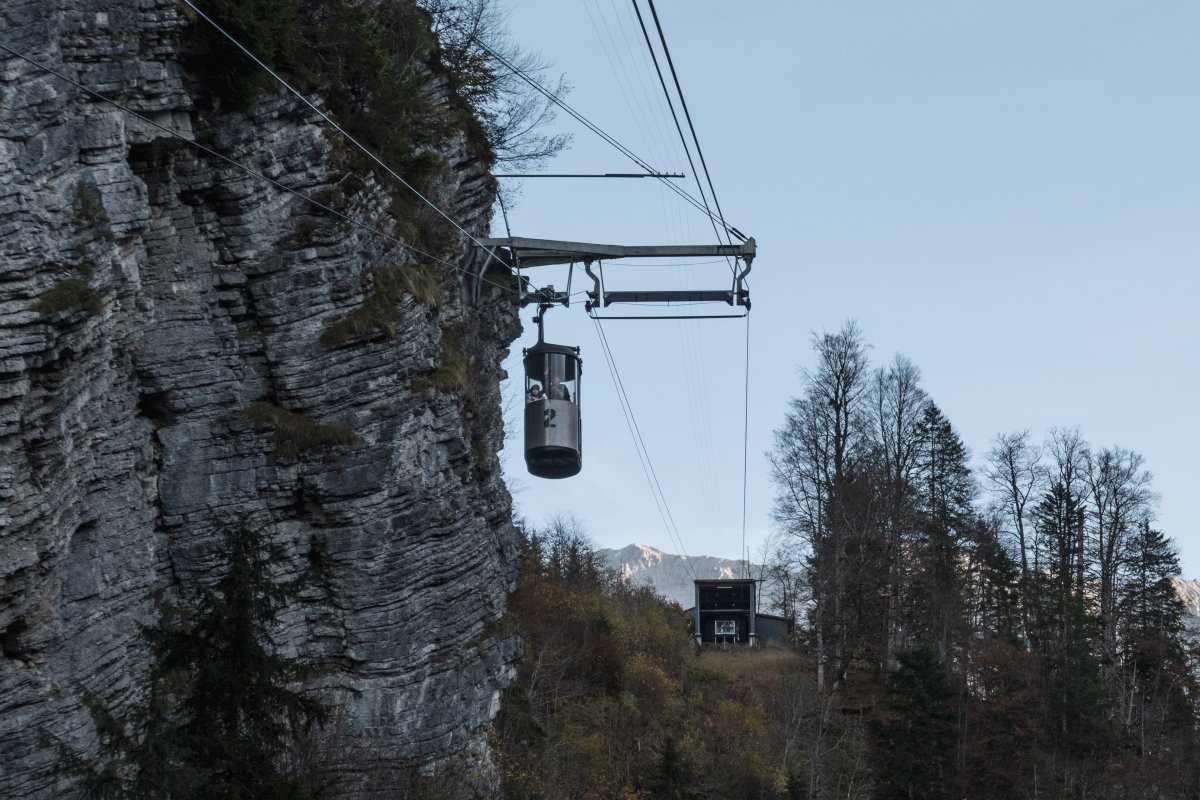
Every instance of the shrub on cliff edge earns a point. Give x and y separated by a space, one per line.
378 313
295 433
70 294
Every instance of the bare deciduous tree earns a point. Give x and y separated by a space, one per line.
494 74
825 433
897 403
1067 448
1015 474
1119 490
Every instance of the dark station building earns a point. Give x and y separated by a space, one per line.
726 612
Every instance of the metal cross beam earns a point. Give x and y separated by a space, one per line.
519 251
544 252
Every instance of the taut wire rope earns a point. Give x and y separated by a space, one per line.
688 115
601 133
679 128
746 441
660 498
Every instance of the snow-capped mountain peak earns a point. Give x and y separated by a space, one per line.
668 574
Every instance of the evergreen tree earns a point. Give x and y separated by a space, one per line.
673 776
992 586
1149 603
222 712
1004 744
915 740
1160 683
1057 520
1064 631
944 488
945 484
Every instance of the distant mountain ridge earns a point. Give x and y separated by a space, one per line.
1188 590
670 576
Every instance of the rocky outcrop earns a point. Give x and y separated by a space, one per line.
150 292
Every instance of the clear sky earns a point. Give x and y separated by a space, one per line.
1007 193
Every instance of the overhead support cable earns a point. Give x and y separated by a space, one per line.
679 90
679 128
629 77
602 134
594 315
590 175
746 440
660 498
719 217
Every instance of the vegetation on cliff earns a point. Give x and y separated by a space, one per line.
378 314
69 294
292 433
377 66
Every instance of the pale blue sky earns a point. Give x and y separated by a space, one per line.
1007 193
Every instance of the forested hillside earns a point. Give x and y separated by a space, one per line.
611 701
1008 633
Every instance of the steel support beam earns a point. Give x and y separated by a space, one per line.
520 251
545 252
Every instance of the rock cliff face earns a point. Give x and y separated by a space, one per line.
150 292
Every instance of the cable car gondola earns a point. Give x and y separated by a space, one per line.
553 433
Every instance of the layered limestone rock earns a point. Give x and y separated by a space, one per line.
150 293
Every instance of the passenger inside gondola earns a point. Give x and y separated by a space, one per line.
557 390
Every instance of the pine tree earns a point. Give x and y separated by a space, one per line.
945 485
673 776
1149 604
915 741
944 488
1160 683
222 711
